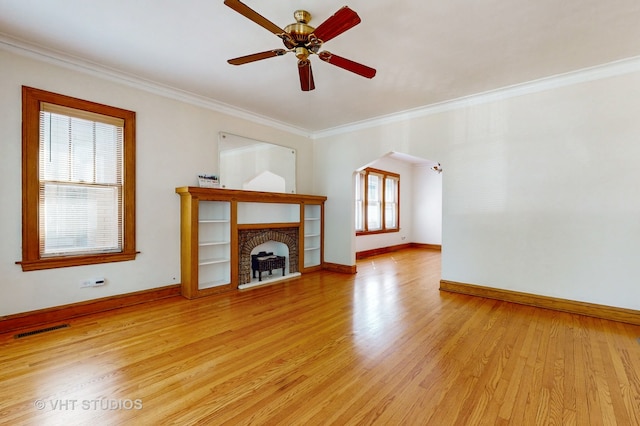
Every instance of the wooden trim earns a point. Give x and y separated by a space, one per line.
312 268
66 261
336 267
66 312
31 261
301 232
248 196
381 172
321 233
571 306
201 292
426 246
365 219
268 225
234 256
382 250
379 231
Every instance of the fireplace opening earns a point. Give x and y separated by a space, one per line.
280 243
272 248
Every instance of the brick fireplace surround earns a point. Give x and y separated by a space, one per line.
248 239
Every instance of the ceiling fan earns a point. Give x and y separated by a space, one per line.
304 40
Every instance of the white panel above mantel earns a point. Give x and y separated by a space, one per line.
249 213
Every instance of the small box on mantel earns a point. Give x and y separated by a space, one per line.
208 181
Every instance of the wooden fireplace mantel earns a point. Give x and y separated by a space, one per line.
250 196
210 222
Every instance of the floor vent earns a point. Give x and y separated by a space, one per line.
42 330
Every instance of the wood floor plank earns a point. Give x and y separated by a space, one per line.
383 346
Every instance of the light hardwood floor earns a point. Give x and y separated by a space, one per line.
383 346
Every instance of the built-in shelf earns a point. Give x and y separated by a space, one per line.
212 284
212 261
210 219
312 248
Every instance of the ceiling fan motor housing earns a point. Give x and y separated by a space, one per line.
300 30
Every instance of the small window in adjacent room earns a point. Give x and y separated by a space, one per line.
78 182
377 201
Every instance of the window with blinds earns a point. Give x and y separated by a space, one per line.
80 201
374 201
78 182
359 207
391 202
379 191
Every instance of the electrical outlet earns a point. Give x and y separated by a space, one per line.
95 282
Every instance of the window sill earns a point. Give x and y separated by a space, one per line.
381 231
66 261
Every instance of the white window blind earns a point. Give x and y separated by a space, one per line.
80 182
360 179
390 202
374 208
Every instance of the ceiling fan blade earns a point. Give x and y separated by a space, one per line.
257 56
247 12
306 76
336 24
347 64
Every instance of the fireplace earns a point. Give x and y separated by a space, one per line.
248 239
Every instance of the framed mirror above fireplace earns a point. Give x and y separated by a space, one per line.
249 164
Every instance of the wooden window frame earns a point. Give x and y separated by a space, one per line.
31 258
385 174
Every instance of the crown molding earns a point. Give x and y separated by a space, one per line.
65 60
611 69
599 72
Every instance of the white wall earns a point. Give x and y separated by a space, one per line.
175 142
541 189
427 206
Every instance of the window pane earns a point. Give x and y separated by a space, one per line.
80 219
374 219
390 205
374 187
359 206
374 207
54 147
359 216
80 185
390 190
390 219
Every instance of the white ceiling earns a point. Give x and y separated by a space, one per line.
425 51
